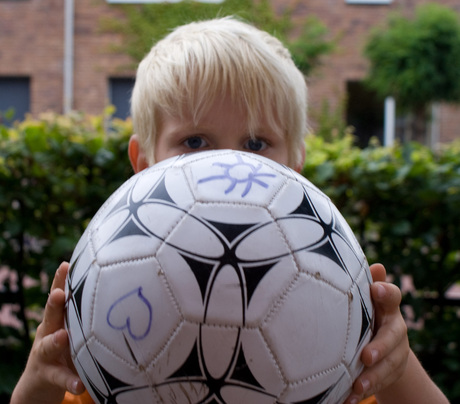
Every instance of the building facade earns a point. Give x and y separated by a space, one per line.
54 57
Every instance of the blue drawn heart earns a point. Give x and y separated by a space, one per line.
131 312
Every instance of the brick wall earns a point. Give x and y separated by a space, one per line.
449 123
349 24
95 61
32 41
31 45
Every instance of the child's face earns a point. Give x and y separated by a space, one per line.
222 127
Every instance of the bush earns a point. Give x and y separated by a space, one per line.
402 202
55 172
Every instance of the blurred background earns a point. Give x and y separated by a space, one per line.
384 94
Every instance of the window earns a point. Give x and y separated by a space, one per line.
120 89
14 99
368 1
365 113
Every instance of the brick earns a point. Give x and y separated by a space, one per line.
32 44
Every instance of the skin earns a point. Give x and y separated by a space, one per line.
392 371
49 371
222 127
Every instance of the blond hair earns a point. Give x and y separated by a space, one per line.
198 63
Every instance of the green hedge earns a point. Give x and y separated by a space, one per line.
403 203
55 172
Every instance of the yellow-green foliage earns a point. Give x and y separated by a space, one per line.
402 202
55 172
147 23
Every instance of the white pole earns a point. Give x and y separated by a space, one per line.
68 56
434 127
389 124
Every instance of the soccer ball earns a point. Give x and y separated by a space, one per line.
218 277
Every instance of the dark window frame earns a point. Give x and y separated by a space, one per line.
120 89
14 94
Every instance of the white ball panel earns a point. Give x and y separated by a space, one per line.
308 331
152 218
232 177
112 375
350 236
265 243
183 283
352 260
218 348
181 343
139 247
87 300
233 214
178 188
81 264
135 317
321 204
105 231
302 232
77 338
195 236
287 200
261 361
132 235
225 303
321 266
333 386
143 185
361 306
89 373
271 287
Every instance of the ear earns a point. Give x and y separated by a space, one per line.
136 154
299 166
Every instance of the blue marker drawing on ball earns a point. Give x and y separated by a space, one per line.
125 322
252 177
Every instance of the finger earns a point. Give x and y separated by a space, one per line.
382 374
64 379
60 276
52 347
386 297
378 272
389 340
53 318
54 350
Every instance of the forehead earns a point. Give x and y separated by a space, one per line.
226 111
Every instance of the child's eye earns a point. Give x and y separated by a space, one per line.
195 142
255 145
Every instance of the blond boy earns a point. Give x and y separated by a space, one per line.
223 84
